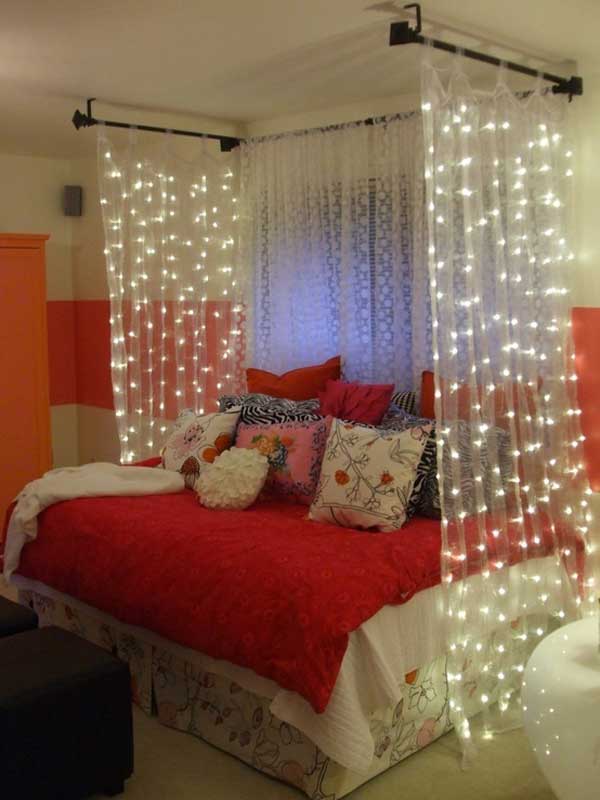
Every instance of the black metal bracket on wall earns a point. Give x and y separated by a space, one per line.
403 33
86 120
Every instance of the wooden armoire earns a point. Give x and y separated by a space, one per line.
24 400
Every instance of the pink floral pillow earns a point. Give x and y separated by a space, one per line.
294 451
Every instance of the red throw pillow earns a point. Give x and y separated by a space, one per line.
465 398
298 384
358 402
427 398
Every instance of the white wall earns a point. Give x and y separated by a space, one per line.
89 269
31 202
586 118
374 107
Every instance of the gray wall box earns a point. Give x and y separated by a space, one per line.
73 201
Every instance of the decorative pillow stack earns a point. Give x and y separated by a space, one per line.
367 476
294 451
197 441
293 434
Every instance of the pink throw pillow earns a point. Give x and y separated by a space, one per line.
357 402
295 452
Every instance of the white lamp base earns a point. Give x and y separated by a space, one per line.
561 709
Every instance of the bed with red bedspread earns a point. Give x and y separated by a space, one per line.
265 588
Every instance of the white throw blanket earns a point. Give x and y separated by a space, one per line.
91 480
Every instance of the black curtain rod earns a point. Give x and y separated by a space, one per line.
402 33
87 120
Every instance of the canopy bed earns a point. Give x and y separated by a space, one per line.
432 242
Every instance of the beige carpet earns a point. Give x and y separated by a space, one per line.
176 766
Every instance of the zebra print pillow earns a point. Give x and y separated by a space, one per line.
406 401
425 499
262 409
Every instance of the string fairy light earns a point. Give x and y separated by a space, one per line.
176 318
496 194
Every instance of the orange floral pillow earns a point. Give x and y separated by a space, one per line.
196 441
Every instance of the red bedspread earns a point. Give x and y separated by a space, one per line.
263 588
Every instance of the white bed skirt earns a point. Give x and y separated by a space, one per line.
392 643
191 692
217 709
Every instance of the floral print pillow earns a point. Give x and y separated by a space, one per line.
367 476
196 441
294 451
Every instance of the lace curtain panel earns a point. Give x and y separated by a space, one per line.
497 171
333 230
176 316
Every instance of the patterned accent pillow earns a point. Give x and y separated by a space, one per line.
262 409
294 451
196 441
227 401
425 499
234 480
367 476
425 496
406 401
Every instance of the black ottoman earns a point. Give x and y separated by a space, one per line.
65 718
15 618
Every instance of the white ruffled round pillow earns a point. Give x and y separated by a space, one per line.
233 480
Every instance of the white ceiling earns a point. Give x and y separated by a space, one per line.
240 61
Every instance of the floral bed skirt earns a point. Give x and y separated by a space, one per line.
218 710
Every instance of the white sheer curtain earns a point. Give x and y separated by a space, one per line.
497 171
334 237
176 318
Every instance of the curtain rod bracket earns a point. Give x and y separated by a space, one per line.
84 120
403 33
572 86
80 120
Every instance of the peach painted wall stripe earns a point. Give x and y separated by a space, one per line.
62 366
79 363
79 352
586 337
92 350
